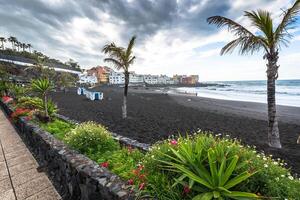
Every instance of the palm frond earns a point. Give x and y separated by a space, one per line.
131 60
117 64
288 20
232 26
262 20
130 46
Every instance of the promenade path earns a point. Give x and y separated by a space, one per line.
19 178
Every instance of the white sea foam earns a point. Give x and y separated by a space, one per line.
287 91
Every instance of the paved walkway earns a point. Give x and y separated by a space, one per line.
19 178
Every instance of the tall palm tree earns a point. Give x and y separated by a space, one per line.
42 87
23 46
3 40
121 58
29 46
12 40
269 39
18 44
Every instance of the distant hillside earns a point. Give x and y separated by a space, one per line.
31 58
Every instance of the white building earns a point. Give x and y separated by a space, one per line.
116 78
151 79
135 78
88 79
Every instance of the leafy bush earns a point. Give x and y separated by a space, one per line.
91 139
17 91
121 162
58 128
38 104
199 167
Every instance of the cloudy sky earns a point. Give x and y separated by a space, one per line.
172 35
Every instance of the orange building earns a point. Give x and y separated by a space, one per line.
186 80
102 73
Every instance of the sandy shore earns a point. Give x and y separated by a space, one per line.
154 116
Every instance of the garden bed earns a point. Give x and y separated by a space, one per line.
195 167
74 175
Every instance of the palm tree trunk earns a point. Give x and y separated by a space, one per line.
124 107
46 106
273 130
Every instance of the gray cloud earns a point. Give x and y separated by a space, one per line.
36 21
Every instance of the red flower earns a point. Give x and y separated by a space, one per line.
130 182
20 112
142 186
186 189
173 142
135 172
142 176
104 164
6 99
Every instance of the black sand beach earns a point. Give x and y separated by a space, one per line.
153 116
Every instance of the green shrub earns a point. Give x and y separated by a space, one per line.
91 139
192 165
17 91
58 128
37 104
122 161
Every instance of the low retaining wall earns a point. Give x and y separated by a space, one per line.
75 176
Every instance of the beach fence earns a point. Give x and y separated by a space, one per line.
90 94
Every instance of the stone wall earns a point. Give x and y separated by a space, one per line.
74 175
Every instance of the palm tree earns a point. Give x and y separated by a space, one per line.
268 39
29 46
18 44
23 46
65 80
121 58
42 87
3 40
14 41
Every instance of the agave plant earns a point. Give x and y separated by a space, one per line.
210 174
42 87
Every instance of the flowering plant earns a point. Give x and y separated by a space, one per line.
7 99
19 112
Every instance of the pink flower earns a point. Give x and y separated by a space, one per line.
186 189
130 182
104 164
142 186
173 142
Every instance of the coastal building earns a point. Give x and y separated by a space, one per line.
135 78
84 78
151 79
101 72
186 80
165 80
116 78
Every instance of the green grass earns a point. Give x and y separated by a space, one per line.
58 128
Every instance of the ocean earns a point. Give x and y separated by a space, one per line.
287 91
